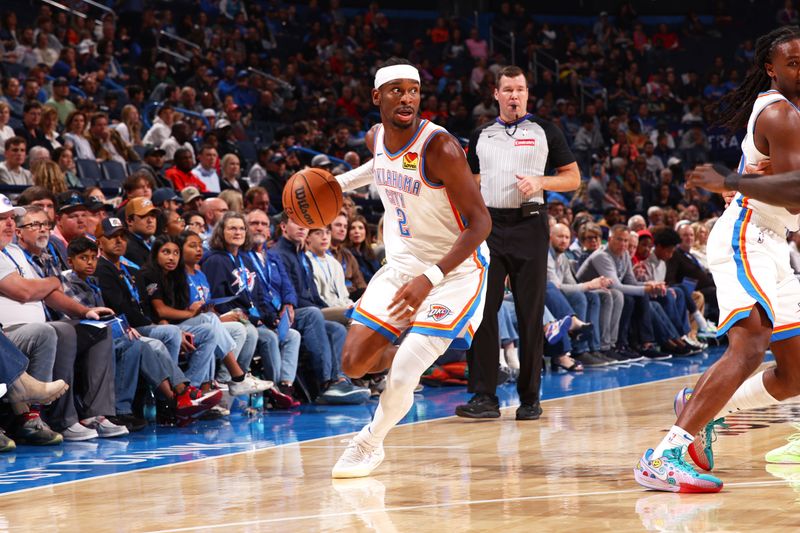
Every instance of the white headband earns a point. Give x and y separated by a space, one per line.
395 72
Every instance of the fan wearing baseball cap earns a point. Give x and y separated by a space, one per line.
141 219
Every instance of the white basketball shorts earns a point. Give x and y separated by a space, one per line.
750 264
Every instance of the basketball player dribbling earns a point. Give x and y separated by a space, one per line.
748 255
433 284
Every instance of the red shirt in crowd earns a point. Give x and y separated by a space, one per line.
180 180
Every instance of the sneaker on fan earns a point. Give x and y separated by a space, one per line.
344 392
701 449
358 460
192 402
104 427
249 385
79 432
280 400
670 473
29 428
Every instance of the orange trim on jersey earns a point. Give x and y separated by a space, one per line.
746 264
733 313
768 93
408 145
462 227
434 325
786 327
378 321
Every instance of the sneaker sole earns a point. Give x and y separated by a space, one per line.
656 484
58 439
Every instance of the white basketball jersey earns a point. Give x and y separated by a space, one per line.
420 222
754 162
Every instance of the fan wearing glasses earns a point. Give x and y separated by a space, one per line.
33 236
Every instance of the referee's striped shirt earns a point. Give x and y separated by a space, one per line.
529 146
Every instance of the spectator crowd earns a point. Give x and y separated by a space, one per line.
145 253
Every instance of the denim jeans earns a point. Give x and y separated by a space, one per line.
200 361
323 340
279 359
505 324
587 308
12 361
38 342
127 363
674 305
636 312
157 363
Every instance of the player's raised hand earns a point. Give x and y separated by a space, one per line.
409 297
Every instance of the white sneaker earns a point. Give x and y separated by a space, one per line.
358 460
78 432
104 427
250 385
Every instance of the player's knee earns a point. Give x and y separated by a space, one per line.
749 351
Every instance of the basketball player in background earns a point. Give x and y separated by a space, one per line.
749 256
433 284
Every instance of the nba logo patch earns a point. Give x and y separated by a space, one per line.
439 312
410 161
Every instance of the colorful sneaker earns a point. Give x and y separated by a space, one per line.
670 473
191 403
701 450
357 461
789 453
280 400
31 429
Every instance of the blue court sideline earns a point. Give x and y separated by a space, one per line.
31 466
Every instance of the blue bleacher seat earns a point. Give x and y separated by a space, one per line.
114 173
249 153
89 172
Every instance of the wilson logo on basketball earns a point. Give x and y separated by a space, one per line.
439 312
303 205
525 142
410 161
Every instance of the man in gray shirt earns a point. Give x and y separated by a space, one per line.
593 301
11 171
614 262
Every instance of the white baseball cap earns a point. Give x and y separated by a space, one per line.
6 206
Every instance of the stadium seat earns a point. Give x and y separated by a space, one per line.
89 172
114 173
139 149
133 166
249 153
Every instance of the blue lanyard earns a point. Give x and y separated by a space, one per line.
243 280
141 240
21 273
98 293
54 253
126 276
274 299
33 265
328 273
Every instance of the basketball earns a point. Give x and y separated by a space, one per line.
312 198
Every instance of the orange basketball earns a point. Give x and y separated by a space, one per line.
312 198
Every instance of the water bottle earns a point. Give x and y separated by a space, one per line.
149 408
257 401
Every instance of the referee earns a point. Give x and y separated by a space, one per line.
510 158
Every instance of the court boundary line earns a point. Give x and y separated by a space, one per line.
300 443
456 503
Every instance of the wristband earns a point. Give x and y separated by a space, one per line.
434 275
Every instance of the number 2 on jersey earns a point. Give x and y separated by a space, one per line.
401 219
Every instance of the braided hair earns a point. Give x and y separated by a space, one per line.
735 107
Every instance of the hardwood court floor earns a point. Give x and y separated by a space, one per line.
571 471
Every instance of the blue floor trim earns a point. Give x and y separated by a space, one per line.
33 467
